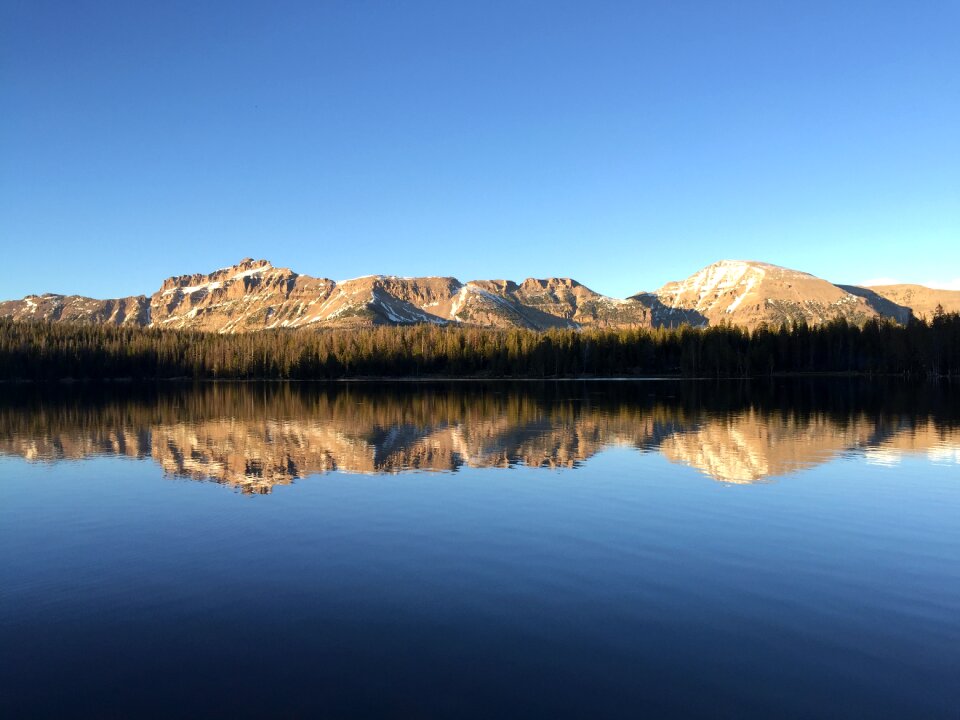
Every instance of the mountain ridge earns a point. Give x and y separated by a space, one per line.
256 295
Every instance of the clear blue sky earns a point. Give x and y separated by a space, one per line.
621 143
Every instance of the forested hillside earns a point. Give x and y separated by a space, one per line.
50 351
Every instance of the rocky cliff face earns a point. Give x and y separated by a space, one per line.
75 308
565 302
255 295
252 295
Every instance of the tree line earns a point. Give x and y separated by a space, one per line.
54 351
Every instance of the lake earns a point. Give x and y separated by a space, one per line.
776 548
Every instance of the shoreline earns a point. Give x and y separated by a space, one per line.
474 378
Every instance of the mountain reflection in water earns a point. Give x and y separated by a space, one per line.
253 437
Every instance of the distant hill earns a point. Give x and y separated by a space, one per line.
255 295
920 301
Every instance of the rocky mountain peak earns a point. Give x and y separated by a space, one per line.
553 283
189 284
745 292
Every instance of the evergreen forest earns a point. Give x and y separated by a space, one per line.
55 351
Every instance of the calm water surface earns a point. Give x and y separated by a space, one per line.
787 549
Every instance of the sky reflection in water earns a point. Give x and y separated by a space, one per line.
558 549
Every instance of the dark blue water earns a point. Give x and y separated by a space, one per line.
569 550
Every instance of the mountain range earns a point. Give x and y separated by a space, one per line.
254 295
